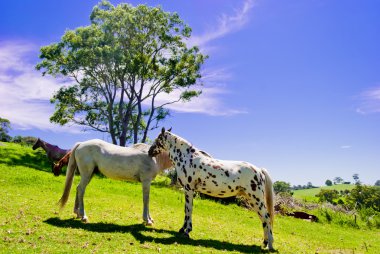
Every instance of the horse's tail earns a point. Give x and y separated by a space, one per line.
269 197
69 177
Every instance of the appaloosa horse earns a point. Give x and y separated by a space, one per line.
218 178
115 162
53 152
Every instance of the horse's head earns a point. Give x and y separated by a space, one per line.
37 144
159 144
57 167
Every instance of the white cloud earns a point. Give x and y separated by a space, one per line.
369 101
226 24
24 93
345 147
207 103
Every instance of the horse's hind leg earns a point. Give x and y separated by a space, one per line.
258 205
81 188
146 191
76 206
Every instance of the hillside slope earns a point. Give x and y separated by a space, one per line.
30 220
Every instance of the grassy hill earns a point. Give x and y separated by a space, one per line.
309 194
30 220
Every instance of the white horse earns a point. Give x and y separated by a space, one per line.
219 178
116 162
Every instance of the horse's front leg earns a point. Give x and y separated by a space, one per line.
146 190
188 224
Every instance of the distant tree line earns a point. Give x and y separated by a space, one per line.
360 197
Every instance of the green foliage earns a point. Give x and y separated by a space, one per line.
327 195
5 125
329 183
363 196
338 180
119 65
377 183
281 186
28 140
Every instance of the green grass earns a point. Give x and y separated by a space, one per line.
309 194
30 220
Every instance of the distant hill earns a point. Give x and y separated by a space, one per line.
309 194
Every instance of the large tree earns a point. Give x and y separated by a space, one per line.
120 65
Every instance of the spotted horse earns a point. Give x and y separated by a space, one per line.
218 178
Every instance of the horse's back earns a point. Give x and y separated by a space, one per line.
122 163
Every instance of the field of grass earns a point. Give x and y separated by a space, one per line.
309 194
30 220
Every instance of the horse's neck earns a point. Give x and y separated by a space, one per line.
179 143
163 161
43 145
53 148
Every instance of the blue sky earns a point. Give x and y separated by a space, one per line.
292 86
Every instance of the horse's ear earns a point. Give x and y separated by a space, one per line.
163 130
170 129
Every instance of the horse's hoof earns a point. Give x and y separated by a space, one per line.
148 223
85 220
182 230
186 235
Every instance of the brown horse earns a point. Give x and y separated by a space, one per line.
53 152
57 167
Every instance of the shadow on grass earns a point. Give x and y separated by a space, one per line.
138 230
32 159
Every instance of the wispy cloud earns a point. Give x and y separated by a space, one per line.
345 147
25 94
369 101
207 103
226 24
215 79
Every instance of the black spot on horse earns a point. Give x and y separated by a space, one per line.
227 174
189 179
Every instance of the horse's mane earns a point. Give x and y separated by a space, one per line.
184 141
176 138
